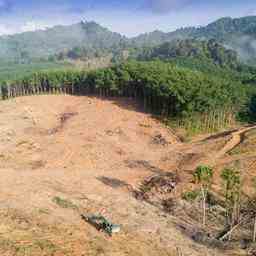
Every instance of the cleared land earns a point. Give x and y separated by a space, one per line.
61 156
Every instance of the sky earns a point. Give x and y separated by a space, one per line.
128 17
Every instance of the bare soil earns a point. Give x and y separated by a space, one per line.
63 156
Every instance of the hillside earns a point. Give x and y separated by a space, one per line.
238 34
90 39
47 42
191 48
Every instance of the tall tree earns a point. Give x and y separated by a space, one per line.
232 190
203 176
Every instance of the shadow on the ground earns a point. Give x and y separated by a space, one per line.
219 135
113 182
122 102
132 164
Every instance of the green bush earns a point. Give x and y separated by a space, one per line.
190 195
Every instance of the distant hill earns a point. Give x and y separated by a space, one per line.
43 43
191 48
238 34
89 38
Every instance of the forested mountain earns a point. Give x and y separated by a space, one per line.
90 38
238 34
220 30
43 43
191 48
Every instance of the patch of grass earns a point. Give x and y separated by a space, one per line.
6 244
43 211
25 235
145 125
12 71
195 124
23 142
64 203
37 247
190 196
46 246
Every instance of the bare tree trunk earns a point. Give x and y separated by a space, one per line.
231 230
232 221
204 205
254 230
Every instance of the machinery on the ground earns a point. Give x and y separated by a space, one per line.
102 224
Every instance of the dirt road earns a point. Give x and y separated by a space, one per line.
236 139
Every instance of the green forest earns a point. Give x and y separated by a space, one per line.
89 39
10 71
194 81
163 88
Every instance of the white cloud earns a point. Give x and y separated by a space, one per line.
5 30
32 26
22 27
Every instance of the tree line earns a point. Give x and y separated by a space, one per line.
162 88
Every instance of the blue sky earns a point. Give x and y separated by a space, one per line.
129 17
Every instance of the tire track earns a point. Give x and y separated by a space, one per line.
237 138
211 158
